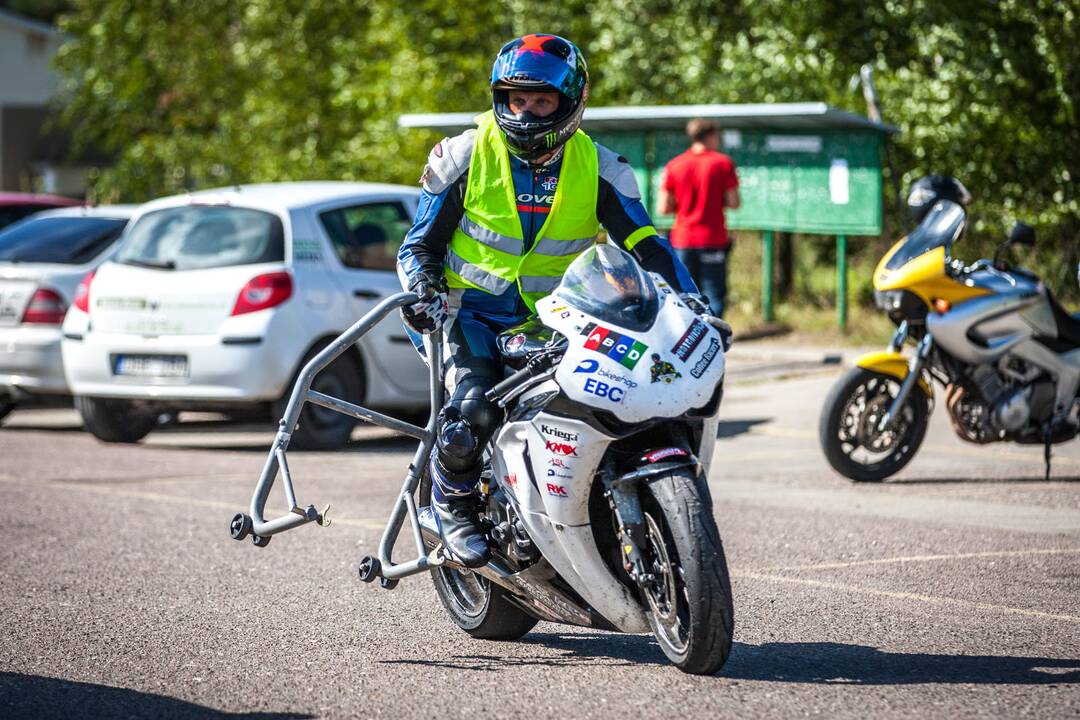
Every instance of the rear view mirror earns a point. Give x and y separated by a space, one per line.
1022 234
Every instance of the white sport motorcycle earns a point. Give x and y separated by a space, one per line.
595 498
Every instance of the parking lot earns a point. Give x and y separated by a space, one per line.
951 591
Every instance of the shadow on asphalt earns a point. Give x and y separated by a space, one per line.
825 663
731 428
838 663
982 481
29 696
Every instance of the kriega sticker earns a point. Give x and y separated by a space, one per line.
689 340
706 360
559 433
622 348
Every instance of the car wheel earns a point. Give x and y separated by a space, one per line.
115 421
320 428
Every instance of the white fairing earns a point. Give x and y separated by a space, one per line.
549 463
663 372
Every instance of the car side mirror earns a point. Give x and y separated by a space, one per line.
1022 234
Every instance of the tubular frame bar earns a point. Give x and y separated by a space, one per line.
302 393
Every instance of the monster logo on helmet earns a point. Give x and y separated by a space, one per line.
539 63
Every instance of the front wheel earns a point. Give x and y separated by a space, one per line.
849 433
689 601
478 607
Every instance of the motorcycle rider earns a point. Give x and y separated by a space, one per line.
504 210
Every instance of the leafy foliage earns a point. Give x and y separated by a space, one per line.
223 91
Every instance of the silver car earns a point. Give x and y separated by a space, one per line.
42 259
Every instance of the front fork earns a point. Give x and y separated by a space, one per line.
915 368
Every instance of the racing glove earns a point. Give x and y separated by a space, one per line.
429 314
697 303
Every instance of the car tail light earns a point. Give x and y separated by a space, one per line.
82 293
46 307
263 291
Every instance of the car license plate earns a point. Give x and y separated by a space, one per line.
162 366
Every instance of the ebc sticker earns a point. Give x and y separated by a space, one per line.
621 348
689 340
599 388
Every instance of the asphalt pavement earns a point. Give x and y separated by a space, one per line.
953 590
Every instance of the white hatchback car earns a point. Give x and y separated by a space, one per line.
42 259
216 299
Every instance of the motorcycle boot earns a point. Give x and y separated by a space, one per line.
455 469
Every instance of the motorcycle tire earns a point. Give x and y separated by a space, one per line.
834 423
477 606
690 605
114 420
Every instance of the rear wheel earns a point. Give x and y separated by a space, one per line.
689 601
477 606
849 433
114 420
320 428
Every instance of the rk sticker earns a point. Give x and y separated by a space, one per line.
689 340
663 371
557 490
706 359
623 349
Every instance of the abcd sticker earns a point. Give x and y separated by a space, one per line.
622 348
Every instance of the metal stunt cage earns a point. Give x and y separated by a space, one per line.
261 529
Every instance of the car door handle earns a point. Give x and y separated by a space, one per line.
367 294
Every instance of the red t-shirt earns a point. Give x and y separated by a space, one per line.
698 182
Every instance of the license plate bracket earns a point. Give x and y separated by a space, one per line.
152 366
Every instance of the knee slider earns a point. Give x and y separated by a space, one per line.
457 440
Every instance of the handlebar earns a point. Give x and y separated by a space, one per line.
537 365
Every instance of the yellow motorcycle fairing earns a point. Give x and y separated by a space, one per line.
925 277
894 364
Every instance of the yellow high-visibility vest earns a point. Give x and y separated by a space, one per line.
487 250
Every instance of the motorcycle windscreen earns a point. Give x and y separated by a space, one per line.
941 227
608 284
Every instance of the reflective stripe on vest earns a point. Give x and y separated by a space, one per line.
487 249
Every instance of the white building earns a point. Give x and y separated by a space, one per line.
30 160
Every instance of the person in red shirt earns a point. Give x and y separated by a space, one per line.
697 185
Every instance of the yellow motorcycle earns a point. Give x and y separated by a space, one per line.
1003 348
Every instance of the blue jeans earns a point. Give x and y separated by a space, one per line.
708 267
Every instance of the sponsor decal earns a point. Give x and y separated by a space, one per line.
560 448
558 309
559 433
559 463
600 388
535 199
663 371
553 473
657 455
587 366
706 360
511 480
689 340
549 183
557 490
622 348
565 314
